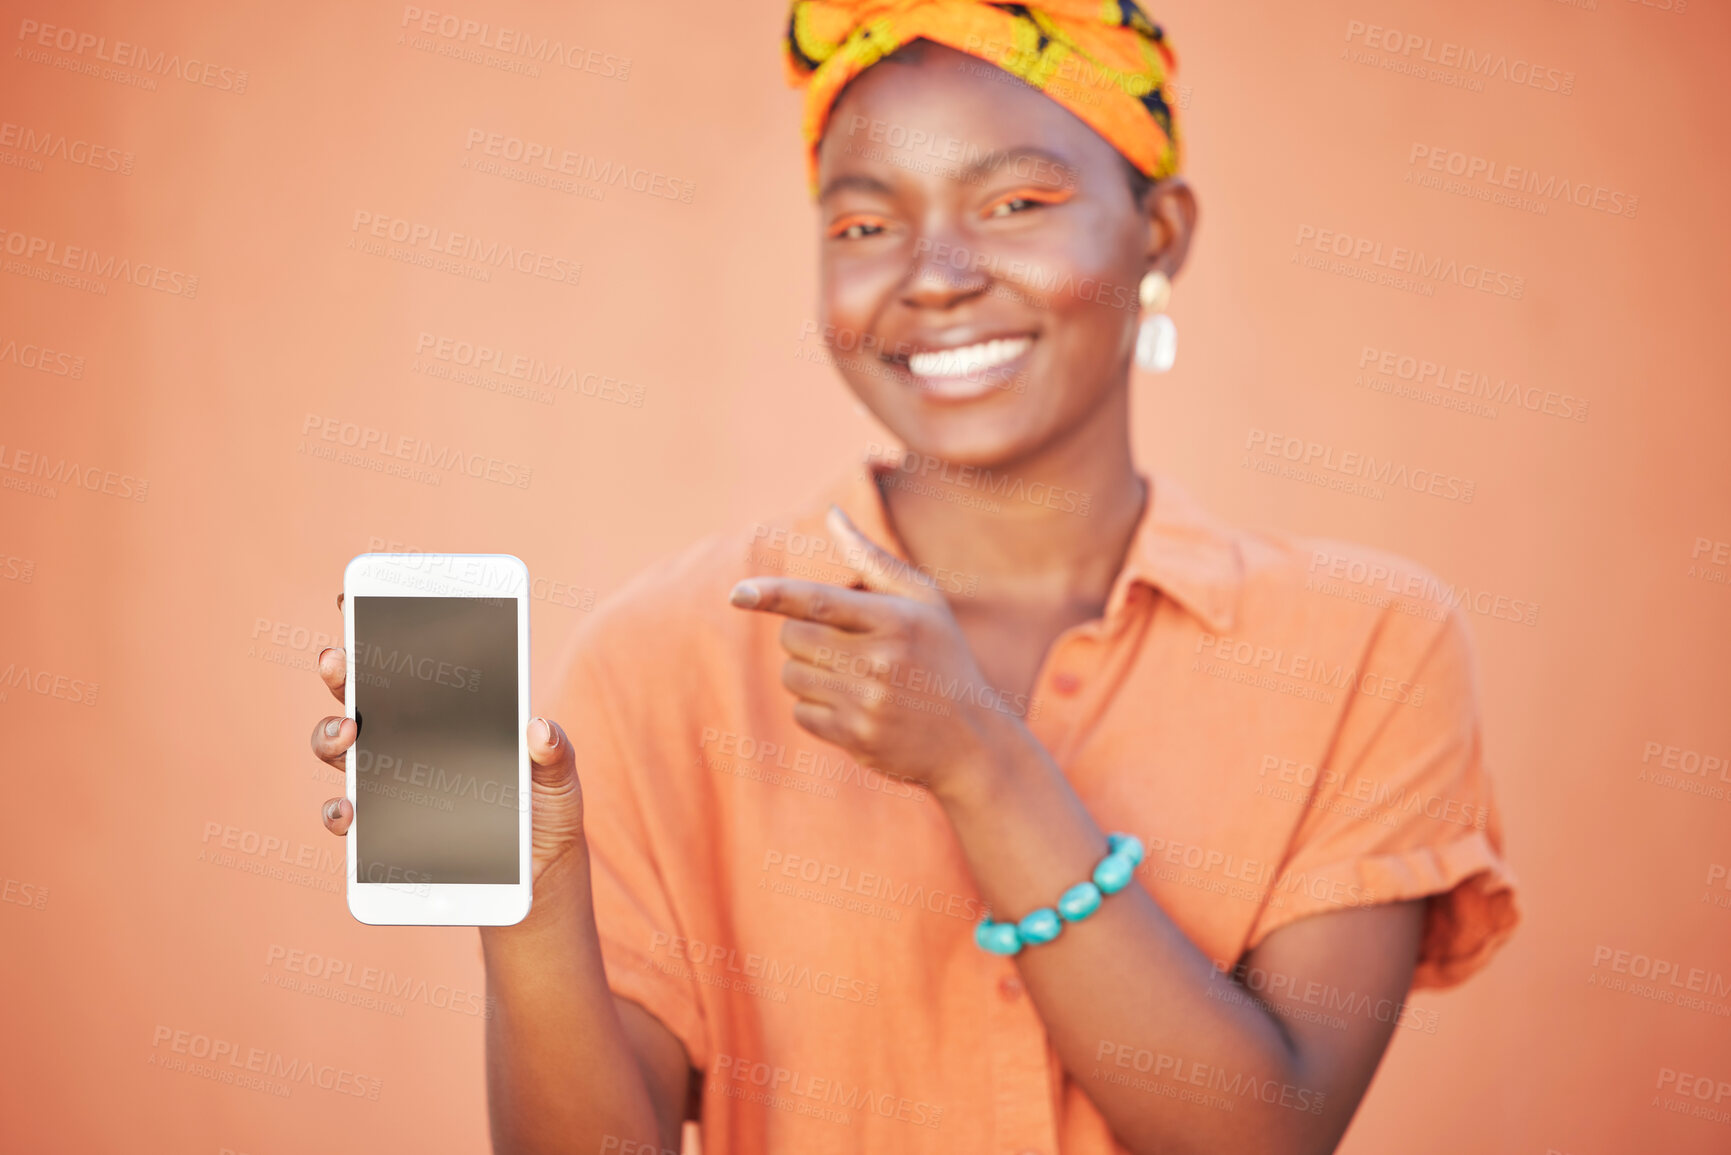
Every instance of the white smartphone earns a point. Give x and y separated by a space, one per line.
438 681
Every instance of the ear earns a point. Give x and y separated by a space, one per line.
1170 208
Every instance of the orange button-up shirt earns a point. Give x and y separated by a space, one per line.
1290 726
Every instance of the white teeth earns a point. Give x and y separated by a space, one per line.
970 360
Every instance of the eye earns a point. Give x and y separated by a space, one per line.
855 226
1024 199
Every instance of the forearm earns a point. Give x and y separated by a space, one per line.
1124 992
562 1075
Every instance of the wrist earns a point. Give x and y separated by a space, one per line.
560 900
999 758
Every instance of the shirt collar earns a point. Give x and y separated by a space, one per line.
1179 548
1186 553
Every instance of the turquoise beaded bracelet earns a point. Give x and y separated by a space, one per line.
1123 856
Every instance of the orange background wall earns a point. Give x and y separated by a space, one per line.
184 618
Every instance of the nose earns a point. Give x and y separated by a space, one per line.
944 275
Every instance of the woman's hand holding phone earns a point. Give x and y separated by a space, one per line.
564 1056
556 798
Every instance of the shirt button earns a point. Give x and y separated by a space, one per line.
1010 987
1066 683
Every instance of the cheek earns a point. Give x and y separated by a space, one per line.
1093 320
1103 293
849 303
1083 276
857 285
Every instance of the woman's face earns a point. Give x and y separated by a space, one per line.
981 254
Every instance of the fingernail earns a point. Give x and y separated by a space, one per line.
552 734
333 727
744 594
333 810
323 652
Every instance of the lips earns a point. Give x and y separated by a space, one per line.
963 371
968 360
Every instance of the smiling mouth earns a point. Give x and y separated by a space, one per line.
967 369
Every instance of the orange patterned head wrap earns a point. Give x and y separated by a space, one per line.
1104 60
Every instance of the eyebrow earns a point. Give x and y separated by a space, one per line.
993 160
854 180
986 163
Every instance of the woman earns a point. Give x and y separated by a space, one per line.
822 853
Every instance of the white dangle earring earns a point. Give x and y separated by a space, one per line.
1157 336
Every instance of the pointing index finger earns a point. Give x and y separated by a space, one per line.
857 611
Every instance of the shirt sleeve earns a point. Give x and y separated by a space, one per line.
634 912
1403 809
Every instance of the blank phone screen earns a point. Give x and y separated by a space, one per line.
436 795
